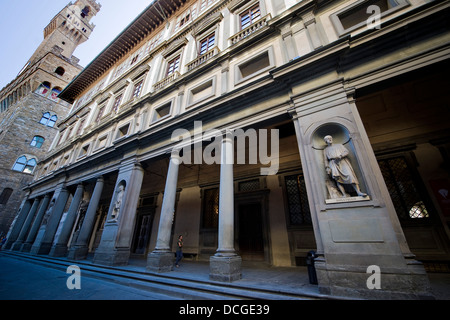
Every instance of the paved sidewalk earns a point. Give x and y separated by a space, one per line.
23 280
293 279
287 280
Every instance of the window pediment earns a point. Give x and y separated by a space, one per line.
139 71
174 46
236 5
119 86
207 23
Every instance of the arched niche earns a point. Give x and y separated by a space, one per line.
341 136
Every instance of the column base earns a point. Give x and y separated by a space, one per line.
41 249
225 268
58 251
26 247
351 282
17 246
116 258
78 253
160 262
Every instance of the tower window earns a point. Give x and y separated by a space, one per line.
37 142
25 165
48 119
85 12
60 71
43 88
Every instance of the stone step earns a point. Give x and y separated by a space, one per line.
187 289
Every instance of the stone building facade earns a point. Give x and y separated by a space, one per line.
30 107
208 118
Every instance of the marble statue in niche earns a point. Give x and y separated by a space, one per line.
48 212
118 203
339 169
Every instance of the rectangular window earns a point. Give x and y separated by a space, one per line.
207 43
173 66
100 113
84 150
156 40
186 17
202 91
355 16
162 111
298 206
205 4
255 66
211 208
69 133
250 16
117 102
137 89
80 126
101 142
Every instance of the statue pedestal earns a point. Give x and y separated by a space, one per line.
347 199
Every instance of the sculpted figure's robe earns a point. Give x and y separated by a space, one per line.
341 169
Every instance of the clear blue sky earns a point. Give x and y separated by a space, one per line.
23 21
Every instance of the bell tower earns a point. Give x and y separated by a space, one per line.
68 29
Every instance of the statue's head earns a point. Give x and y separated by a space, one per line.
328 139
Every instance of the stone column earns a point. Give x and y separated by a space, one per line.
161 259
18 224
225 265
80 250
26 226
115 245
43 245
353 232
26 247
59 249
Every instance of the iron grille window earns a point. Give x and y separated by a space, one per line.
403 189
211 208
299 213
250 185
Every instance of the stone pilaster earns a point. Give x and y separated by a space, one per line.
115 245
26 226
18 224
26 246
59 249
43 244
80 250
355 232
